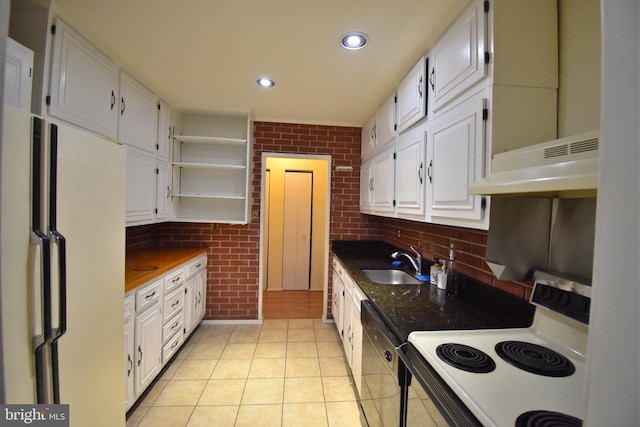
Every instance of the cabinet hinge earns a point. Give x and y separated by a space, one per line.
53 29
487 57
483 203
395 126
155 211
158 106
157 146
394 203
395 99
394 156
485 113
486 6
157 171
47 100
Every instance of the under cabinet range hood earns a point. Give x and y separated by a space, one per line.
566 167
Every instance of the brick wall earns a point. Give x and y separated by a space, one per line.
434 240
233 250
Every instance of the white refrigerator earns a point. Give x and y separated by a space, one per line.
62 228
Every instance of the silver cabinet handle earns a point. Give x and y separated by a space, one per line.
122 106
432 78
429 171
420 172
420 87
139 355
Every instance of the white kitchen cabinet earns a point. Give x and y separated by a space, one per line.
368 139
383 181
411 173
412 96
377 183
165 131
455 158
386 122
337 296
129 351
141 186
457 61
163 191
18 75
138 114
211 169
84 83
148 334
356 328
195 294
347 319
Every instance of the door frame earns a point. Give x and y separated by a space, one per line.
325 257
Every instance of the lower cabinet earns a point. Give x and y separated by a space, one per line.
158 317
349 314
129 351
148 333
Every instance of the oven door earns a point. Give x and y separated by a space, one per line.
380 399
429 397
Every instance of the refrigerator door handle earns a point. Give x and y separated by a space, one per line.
59 240
38 237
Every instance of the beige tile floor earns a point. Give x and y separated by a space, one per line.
281 373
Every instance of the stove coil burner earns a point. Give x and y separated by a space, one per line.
466 358
546 419
535 359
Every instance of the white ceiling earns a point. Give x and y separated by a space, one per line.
207 54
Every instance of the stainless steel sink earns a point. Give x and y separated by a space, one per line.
390 277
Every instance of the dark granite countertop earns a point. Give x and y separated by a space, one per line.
408 308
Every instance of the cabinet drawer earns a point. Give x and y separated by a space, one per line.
171 347
171 327
338 268
128 308
174 279
196 265
173 303
148 295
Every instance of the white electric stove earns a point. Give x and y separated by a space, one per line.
514 377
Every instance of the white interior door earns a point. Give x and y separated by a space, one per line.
296 256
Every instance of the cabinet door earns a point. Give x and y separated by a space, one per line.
368 139
347 327
148 346
457 61
129 352
385 127
141 190
412 96
18 71
190 302
411 172
366 186
84 83
162 190
201 297
164 130
138 120
338 297
455 153
356 326
383 179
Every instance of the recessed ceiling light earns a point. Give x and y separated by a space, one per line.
354 41
265 82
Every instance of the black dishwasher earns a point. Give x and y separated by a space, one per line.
383 375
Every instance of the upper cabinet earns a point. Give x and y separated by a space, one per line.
84 83
458 60
380 130
18 71
211 164
165 130
412 96
137 114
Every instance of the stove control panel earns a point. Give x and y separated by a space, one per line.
565 302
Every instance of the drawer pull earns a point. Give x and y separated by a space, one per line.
177 279
151 295
175 344
175 303
175 325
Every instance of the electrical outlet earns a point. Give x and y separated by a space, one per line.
255 214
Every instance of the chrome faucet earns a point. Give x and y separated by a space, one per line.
416 262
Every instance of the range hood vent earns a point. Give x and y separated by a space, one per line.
564 167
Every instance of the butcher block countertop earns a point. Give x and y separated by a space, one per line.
144 265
